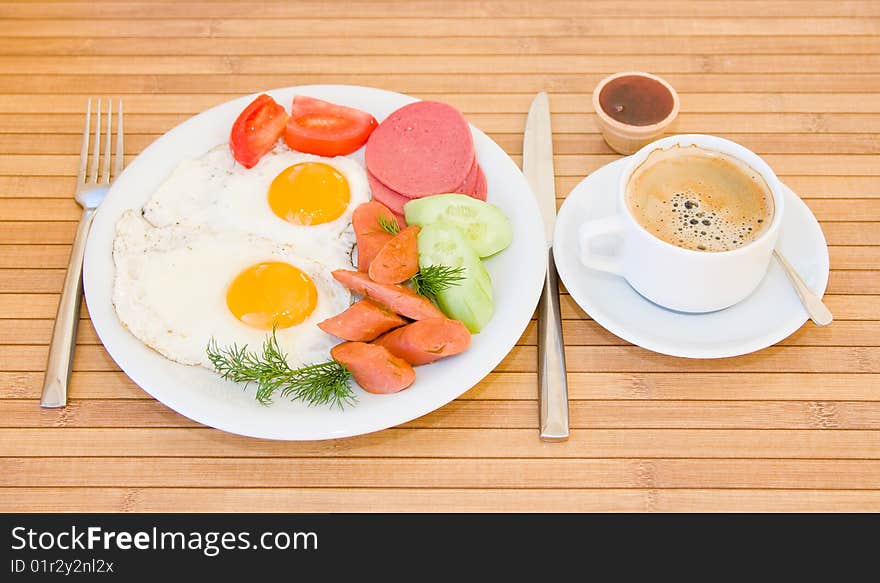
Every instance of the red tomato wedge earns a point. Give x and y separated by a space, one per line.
326 129
256 130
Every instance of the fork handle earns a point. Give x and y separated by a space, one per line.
60 360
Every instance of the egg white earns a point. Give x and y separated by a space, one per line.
214 191
171 282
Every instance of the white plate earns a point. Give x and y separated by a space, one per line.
769 315
517 274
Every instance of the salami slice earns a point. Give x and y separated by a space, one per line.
423 148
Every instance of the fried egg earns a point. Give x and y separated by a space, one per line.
288 197
177 287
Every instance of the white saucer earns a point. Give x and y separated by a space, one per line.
769 315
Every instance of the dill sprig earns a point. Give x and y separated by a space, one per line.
389 225
317 384
433 279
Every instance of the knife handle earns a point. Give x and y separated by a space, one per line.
551 360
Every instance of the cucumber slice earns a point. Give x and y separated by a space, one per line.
471 300
486 228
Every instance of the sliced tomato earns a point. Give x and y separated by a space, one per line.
326 129
256 130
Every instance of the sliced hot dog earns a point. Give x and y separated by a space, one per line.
369 232
398 259
364 320
395 297
425 341
374 368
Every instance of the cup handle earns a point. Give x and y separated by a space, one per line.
591 230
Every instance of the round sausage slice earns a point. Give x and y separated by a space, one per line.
423 148
481 187
470 180
393 200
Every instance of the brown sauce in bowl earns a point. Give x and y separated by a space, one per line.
636 100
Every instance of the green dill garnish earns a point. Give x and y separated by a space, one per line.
390 226
317 384
433 279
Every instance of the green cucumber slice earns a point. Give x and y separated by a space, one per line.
485 227
471 300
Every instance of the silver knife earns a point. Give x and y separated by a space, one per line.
538 167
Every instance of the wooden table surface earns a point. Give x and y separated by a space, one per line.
792 427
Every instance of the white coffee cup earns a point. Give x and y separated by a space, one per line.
673 277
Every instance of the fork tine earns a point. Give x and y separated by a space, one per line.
120 149
84 154
105 177
96 152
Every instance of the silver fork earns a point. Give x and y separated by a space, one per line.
90 192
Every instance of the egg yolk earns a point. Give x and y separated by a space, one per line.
272 293
309 193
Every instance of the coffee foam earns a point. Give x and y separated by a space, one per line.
699 199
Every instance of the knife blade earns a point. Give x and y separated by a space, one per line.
538 168
538 160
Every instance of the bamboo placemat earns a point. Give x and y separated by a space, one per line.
793 427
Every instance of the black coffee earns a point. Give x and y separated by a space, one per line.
700 199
